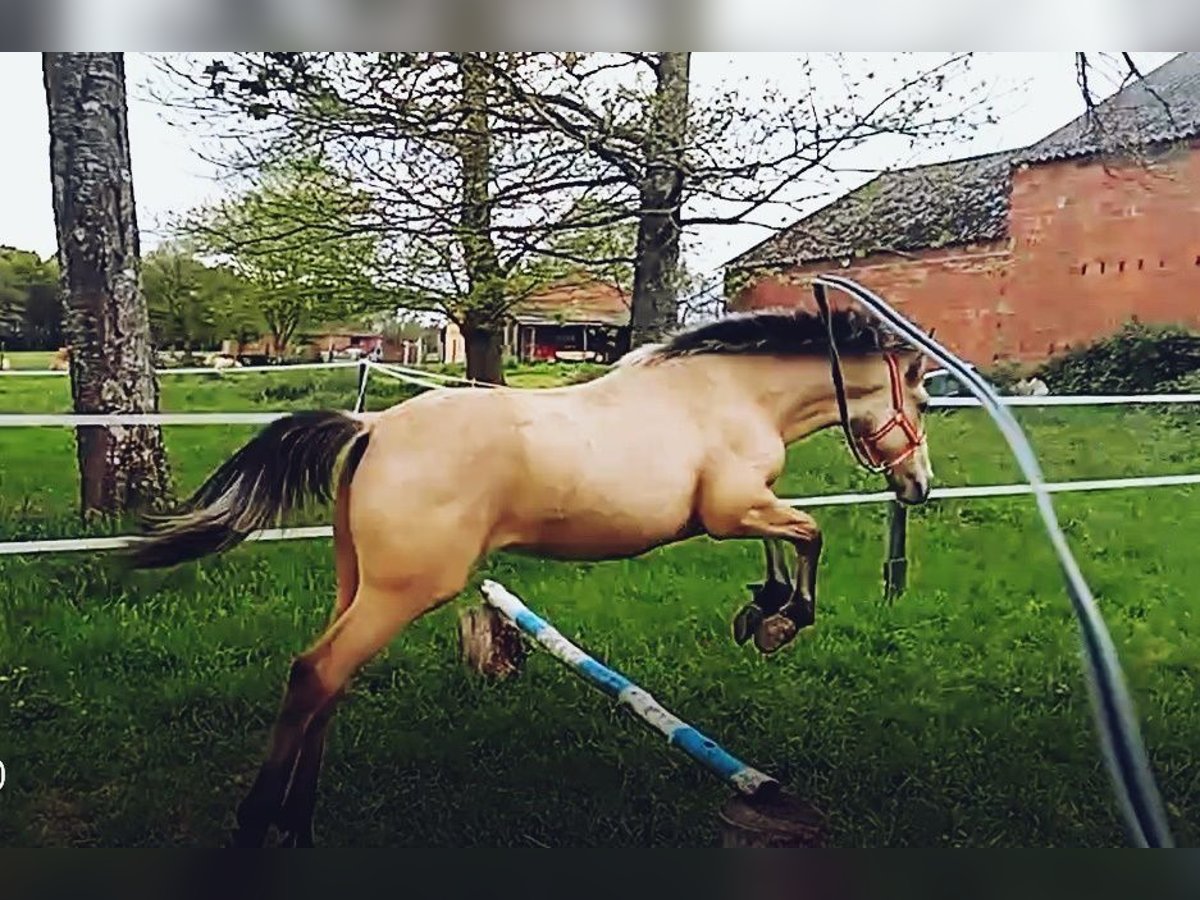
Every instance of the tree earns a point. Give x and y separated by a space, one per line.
12 309
106 321
487 293
603 251
295 242
686 161
660 201
193 304
479 164
179 316
1117 130
30 317
461 201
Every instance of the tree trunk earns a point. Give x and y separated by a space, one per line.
656 268
488 644
106 322
483 325
485 350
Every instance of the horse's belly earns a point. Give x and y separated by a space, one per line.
600 536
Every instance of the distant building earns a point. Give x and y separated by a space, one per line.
1021 254
335 344
341 344
573 319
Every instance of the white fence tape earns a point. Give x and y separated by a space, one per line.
22 420
1074 400
401 371
964 492
196 370
403 375
67 545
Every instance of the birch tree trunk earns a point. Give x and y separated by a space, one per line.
106 323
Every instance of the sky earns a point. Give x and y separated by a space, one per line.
1034 93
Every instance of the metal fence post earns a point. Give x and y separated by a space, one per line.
895 567
364 367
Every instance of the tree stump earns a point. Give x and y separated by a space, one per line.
488 643
779 820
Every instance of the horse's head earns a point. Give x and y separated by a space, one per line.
887 424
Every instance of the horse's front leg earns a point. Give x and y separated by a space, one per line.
770 596
774 522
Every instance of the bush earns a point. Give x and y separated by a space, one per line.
1004 375
1138 359
1187 414
285 392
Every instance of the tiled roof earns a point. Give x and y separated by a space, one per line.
578 299
966 201
1162 107
938 205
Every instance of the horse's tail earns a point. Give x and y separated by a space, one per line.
291 460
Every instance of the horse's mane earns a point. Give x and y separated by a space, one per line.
776 332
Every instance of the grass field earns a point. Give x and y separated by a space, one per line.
134 707
29 359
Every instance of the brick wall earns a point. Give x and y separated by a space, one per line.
960 292
1090 247
1095 246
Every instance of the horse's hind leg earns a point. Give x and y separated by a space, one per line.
375 616
295 818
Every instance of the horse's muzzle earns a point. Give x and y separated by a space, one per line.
912 492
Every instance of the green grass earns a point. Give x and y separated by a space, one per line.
134 707
29 359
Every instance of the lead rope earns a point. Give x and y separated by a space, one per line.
1120 738
839 385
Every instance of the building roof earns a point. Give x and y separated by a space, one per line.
959 202
578 299
966 200
1164 106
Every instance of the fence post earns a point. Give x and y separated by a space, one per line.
363 369
895 567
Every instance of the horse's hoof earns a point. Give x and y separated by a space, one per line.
746 622
774 632
771 596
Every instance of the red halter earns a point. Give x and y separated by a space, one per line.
867 447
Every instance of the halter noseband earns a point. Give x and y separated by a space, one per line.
866 448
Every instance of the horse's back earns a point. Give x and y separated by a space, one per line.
606 471
593 471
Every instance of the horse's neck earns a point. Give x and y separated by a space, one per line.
798 395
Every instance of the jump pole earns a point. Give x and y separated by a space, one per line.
760 814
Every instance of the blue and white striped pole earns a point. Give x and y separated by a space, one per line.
745 779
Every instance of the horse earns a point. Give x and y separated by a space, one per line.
678 439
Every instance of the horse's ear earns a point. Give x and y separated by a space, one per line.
915 368
918 364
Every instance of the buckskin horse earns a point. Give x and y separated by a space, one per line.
678 439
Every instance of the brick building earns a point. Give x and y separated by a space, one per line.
1021 254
